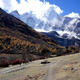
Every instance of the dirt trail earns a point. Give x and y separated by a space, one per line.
52 70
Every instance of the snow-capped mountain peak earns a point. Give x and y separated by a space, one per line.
51 21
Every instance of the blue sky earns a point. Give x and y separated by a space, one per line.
18 1
67 6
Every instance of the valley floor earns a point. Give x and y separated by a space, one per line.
61 68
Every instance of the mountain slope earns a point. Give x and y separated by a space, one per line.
19 41
63 40
13 23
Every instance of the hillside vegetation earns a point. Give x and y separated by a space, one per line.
20 43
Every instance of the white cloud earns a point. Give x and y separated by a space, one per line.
57 9
9 5
37 7
73 15
1 4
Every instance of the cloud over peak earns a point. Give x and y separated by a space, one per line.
37 7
